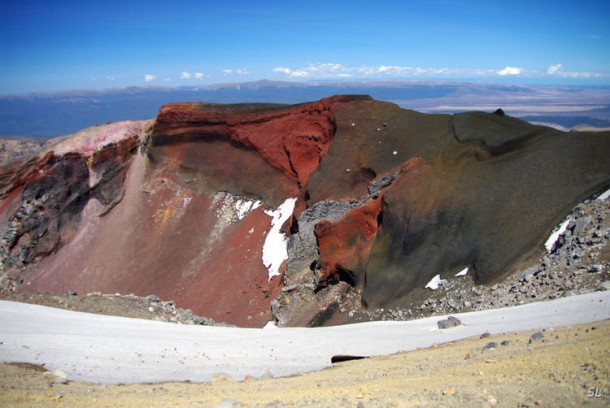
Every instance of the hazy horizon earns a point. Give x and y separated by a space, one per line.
309 83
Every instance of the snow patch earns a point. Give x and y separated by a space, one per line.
275 250
463 272
270 325
604 196
550 243
434 283
232 208
229 209
243 207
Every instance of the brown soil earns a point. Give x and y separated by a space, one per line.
568 367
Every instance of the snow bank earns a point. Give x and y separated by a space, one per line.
463 272
111 350
434 283
244 206
270 325
275 250
550 243
232 208
604 196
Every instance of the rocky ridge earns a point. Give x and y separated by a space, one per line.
55 186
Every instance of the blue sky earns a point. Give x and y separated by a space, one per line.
61 45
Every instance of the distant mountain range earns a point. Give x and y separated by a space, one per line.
45 115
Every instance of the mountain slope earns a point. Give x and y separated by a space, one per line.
246 213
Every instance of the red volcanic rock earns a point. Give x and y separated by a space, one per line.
294 141
345 245
245 148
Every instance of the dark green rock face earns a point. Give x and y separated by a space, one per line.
486 194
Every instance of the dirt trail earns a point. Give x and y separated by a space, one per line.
567 367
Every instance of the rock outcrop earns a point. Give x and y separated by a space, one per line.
244 149
44 198
345 197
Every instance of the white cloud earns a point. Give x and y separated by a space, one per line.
510 71
167 79
300 73
323 70
334 70
582 74
554 69
240 71
110 78
186 75
199 75
149 77
282 70
557 70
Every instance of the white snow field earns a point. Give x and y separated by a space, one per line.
110 350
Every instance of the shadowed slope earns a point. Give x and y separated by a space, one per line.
485 195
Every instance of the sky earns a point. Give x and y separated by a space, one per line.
63 45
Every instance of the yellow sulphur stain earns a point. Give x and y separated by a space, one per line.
163 215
